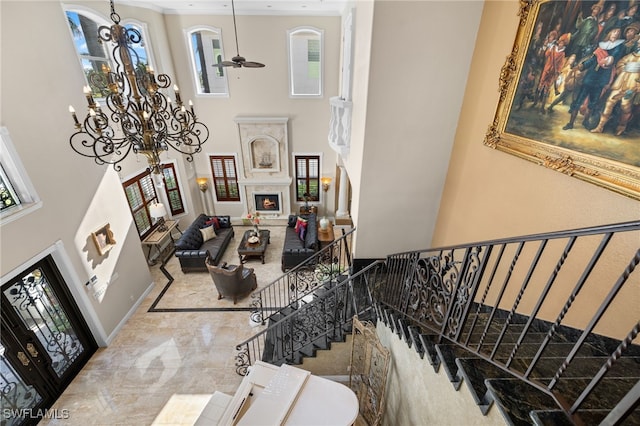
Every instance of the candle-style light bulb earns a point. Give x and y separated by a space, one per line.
73 114
191 106
175 89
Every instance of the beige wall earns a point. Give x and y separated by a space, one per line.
489 194
40 78
260 92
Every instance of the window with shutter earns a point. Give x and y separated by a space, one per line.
176 206
225 178
141 192
307 177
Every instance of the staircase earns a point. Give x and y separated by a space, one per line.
541 326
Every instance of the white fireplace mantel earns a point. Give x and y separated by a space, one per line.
264 165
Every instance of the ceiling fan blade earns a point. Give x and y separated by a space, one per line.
250 64
224 64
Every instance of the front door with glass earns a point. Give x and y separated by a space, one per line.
44 342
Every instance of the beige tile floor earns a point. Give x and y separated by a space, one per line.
180 358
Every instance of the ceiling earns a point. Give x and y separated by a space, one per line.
244 7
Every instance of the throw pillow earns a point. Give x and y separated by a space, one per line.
300 222
208 233
213 221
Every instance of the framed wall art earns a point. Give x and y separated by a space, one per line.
103 239
570 94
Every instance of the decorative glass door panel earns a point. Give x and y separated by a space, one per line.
16 394
40 312
44 341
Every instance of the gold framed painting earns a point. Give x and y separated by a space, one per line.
570 92
103 239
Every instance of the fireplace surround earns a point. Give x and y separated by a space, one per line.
265 175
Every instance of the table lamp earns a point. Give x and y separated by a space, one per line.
158 211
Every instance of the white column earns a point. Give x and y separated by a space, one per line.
342 193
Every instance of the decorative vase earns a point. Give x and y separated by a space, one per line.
324 224
255 229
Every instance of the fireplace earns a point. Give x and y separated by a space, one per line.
267 202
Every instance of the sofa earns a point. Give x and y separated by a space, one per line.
192 249
299 245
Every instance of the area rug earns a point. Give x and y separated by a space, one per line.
196 292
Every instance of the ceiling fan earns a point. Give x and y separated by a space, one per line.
238 61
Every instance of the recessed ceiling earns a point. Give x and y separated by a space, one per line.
244 7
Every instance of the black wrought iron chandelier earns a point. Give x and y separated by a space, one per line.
136 117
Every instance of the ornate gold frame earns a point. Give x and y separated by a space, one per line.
614 175
103 239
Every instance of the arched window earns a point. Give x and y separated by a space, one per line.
205 48
142 49
305 46
93 55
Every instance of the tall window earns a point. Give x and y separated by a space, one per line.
8 197
92 53
307 177
141 49
176 206
205 47
17 194
305 61
225 177
141 192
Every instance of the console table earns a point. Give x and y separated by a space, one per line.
157 239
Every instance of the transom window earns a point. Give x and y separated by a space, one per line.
307 177
205 47
225 177
305 61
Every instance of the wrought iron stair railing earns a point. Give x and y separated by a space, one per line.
300 329
296 286
536 307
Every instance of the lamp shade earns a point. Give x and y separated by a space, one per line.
157 210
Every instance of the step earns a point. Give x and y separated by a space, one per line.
516 399
475 371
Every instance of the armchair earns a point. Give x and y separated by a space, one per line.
232 281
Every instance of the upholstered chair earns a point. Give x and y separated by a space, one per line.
232 281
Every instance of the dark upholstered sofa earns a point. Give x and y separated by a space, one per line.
193 251
295 249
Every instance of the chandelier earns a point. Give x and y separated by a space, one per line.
136 117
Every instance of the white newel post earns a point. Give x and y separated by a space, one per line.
342 193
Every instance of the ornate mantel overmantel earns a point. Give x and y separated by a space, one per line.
264 162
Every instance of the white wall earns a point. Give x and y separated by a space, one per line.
417 70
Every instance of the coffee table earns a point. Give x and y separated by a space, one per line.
246 249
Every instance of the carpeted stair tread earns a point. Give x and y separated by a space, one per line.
516 399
